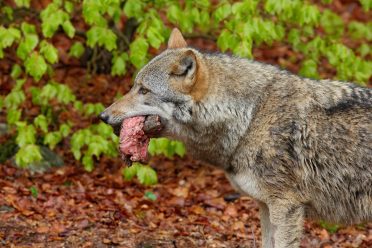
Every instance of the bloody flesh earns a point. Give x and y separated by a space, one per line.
135 136
133 140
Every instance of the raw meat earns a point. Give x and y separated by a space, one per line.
134 137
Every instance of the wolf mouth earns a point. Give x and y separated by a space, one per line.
135 133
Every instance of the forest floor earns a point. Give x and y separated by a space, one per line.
195 206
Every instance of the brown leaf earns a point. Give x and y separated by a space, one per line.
42 229
231 210
57 228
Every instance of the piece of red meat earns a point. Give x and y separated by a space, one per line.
133 140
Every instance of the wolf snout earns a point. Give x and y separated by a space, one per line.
104 117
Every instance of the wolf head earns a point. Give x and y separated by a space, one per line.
204 100
168 86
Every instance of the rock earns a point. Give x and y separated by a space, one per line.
50 159
231 197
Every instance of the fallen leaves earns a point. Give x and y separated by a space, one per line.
90 209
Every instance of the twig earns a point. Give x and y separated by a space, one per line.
121 35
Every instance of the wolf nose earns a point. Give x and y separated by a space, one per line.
104 117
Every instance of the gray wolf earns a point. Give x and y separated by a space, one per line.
301 147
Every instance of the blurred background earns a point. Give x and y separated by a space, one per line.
62 62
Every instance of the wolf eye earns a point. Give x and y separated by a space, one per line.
143 91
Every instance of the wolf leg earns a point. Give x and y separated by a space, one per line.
288 220
267 229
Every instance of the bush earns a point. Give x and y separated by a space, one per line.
119 37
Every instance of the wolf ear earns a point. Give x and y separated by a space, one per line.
176 40
184 71
186 66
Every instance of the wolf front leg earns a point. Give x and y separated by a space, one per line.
267 229
288 219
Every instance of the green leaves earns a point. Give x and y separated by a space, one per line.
35 65
308 14
93 109
28 154
68 28
52 139
145 174
93 141
76 50
53 17
41 122
134 8
226 40
49 52
34 191
14 99
101 36
28 42
8 36
130 172
222 12
309 69
16 71
359 30
332 228
154 37
26 134
93 11
150 195
164 146
23 3
332 24
366 4
138 52
118 64
13 116
60 92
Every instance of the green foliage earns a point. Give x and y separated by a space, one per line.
101 36
53 17
28 154
93 141
34 192
144 173
35 65
138 55
41 122
166 147
22 3
49 52
16 71
331 228
150 195
238 27
76 50
118 64
366 4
